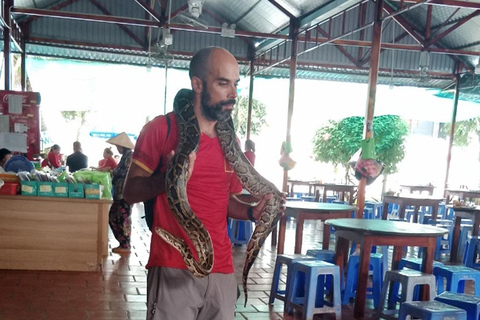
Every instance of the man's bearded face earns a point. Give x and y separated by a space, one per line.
215 112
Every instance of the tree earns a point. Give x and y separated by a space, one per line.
240 116
462 131
337 142
79 117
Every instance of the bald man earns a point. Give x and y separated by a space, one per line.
172 291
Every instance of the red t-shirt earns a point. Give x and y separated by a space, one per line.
109 162
54 159
209 189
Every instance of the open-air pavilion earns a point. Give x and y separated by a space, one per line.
426 44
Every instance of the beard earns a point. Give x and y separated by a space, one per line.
215 112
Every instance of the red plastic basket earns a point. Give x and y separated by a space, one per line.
6 177
10 188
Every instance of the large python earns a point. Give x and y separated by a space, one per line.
189 137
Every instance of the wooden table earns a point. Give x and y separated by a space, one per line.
45 233
419 188
416 201
368 233
340 188
463 213
293 183
302 211
461 194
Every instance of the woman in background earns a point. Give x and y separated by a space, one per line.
120 211
53 158
108 163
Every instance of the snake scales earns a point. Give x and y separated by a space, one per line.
176 180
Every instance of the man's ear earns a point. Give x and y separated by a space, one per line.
197 85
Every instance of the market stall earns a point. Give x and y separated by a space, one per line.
47 233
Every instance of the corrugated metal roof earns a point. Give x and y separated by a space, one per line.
346 62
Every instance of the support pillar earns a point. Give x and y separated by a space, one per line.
452 131
7 4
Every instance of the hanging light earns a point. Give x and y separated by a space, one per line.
424 63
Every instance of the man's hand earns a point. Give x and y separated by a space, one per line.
260 207
191 161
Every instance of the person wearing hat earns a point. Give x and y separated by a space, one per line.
119 215
77 160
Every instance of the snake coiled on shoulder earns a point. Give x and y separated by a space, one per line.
176 182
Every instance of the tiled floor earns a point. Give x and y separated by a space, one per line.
119 291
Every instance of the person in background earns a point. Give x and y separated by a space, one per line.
119 216
53 158
5 155
212 185
250 151
77 160
108 163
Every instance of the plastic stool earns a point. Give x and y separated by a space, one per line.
324 255
239 231
456 277
469 303
313 300
471 252
431 310
287 260
376 265
414 264
408 279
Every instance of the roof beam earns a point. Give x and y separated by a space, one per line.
391 46
332 8
339 47
449 3
149 10
123 27
135 22
404 24
282 9
84 17
57 7
452 28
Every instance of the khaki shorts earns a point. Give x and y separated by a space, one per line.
177 294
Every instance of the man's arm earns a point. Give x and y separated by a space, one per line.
141 185
238 209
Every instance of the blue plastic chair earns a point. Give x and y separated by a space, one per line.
472 250
456 277
467 302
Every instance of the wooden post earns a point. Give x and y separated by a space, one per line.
372 90
23 69
294 23
250 98
452 131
